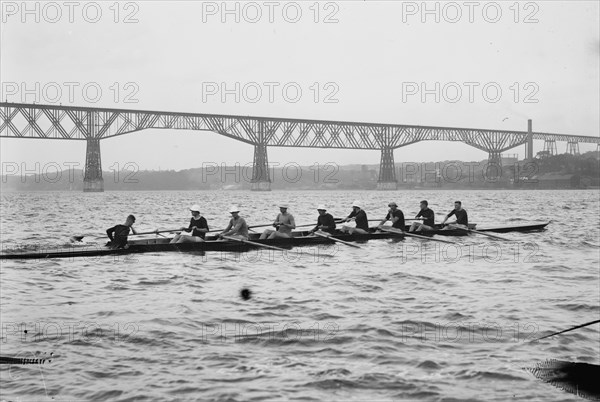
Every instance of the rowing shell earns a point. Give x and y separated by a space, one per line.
298 239
500 229
211 244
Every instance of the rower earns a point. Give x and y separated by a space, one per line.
120 232
197 228
237 225
360 217
325 221
395 215
462 220
428 217
283 224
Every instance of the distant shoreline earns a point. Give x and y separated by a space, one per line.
568 172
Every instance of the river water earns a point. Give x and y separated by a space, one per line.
394 320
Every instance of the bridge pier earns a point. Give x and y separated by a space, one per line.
261 180
550 147
494 166
387 170
92 179
573 147
529 143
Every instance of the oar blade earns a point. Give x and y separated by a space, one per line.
321 234
479 232
400 232
254 243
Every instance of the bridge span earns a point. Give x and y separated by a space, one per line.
22 120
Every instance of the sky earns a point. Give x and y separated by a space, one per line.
489 65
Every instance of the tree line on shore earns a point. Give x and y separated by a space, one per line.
558 171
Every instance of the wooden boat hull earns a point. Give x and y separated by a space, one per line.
300 239
502 229
211 244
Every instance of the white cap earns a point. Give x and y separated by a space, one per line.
357 204
195 207
283 205
322 207
234 208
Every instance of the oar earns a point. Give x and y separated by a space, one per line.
251 227
80 237
336 220
254 243
210 231
267 246
567 330
481 233
406 219
378 220
156 232
398 231
321 234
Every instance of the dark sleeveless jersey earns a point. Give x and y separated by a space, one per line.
461 216
429 216
396 214
326 220
200 224
118 235
361 219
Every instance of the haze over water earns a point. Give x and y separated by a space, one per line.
394 320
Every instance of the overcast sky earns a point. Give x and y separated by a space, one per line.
359 61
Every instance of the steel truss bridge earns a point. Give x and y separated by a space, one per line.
21 120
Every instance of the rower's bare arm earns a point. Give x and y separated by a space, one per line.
133 230
227 229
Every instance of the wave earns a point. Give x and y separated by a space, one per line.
487 375
587 308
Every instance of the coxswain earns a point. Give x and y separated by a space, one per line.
237 226
118 234
428 217
197 229
325 221
284 224
462 221
360 217
395 215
